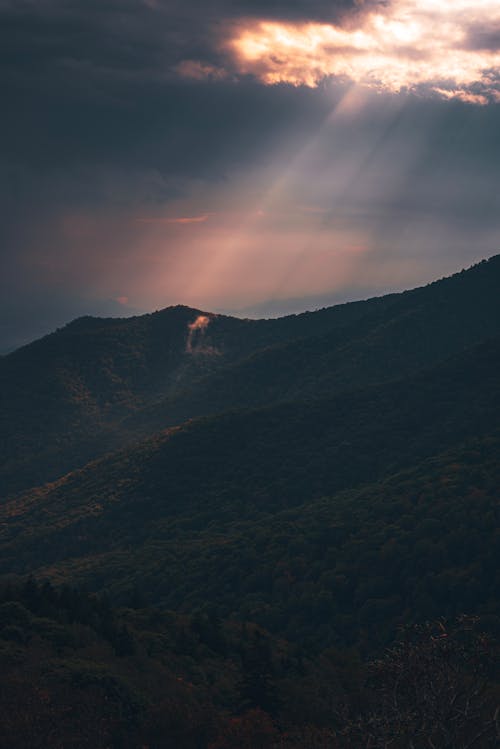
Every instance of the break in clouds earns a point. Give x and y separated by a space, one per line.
450 48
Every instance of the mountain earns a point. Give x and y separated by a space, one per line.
98 385
63 398
172 515
220 533
299 414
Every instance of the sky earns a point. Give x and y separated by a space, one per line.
255 158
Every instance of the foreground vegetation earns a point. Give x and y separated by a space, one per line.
78 673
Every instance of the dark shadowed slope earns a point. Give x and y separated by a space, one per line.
326 478
99 384
136 515
62 397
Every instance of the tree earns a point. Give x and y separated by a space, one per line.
432 690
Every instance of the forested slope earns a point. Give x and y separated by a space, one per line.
145 518
97 385
256 509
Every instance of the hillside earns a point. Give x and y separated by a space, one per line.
63 398
287 531
98 385
79 674
396 336
140 519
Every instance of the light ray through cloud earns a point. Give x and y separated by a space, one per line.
437 48
312 243
237 242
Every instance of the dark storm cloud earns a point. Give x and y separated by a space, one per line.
96 80
130 35
91 97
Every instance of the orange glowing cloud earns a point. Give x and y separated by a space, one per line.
182 220
200 323
403 45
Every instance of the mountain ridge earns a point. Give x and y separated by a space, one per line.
99 384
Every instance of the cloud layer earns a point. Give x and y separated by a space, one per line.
450 48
